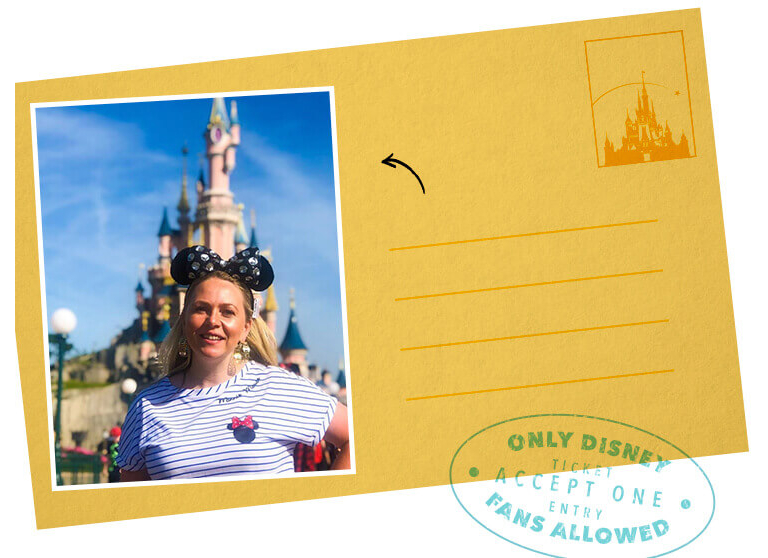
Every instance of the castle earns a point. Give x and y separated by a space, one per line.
217 222
645 139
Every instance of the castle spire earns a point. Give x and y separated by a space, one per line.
165 226
219 114
183 206
201 177
645 93
253 243
241 240
292 342
233 113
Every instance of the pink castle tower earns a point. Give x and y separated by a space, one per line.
217 215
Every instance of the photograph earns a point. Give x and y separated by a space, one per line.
192 287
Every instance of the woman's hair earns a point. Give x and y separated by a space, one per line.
260 338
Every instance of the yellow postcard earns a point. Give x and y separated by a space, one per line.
522 227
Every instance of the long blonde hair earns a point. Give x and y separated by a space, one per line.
260 338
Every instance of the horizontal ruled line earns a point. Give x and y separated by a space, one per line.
527 335
521 235
633 36
475 392
539 284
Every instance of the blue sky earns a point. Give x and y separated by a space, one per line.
107 171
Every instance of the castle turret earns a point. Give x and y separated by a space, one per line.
241 240
270 307
165 326
253 243
200 185
645 93
139 296
185 224
164 234
145 344
217 215
269 312
292 349
234 128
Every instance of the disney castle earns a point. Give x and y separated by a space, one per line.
216 222
645 139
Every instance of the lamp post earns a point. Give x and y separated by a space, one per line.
63 321
128 387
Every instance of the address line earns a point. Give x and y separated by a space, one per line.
474 392
521 235
539 284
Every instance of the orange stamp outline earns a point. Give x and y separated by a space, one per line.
592 100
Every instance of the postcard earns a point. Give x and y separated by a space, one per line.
505 248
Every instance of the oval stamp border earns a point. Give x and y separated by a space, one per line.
574 415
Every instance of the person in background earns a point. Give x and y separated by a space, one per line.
327 384
113 470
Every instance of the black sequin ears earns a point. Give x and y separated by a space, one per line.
248 267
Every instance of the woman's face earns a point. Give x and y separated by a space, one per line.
214 319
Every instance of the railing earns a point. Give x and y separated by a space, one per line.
77 468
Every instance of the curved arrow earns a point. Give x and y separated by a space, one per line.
390 162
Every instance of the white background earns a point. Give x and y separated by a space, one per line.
57 39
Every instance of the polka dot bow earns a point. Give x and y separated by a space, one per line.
248 266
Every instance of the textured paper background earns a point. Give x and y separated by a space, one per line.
499 127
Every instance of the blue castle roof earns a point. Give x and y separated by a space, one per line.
165 226
292 340
165 329
240 236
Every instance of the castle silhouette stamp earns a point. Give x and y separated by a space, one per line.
640 98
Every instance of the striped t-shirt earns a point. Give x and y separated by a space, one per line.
190 433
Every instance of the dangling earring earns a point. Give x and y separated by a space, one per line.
242 351
183 348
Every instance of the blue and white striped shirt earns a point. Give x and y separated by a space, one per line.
187 433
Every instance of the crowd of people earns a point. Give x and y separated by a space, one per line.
321 456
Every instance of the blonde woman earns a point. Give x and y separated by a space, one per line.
224 406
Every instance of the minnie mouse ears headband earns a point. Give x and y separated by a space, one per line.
248 267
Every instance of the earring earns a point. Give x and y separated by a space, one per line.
242 351
183 348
